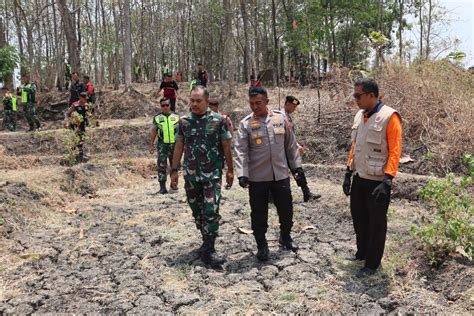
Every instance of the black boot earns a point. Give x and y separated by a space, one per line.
163 187
32 128
263 253
307 195
203 245
208 255
38 124
288 243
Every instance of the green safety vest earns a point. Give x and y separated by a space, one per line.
166 125
24 94
192 84
14 106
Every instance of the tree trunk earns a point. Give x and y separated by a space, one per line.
70 31
276 72
400 29
243 8
3 43
127 45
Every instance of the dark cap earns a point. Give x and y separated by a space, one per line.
83 94
214 102
292 99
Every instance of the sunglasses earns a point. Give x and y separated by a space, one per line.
165 105
358 95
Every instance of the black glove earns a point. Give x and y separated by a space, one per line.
300 177
382 191
346 185
244 182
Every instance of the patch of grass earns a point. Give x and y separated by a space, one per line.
2 221
288 297
183 271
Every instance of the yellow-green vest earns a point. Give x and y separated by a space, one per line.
14 105
24 94
166 126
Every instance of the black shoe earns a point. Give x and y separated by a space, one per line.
32 128
288 243
208 254
307 195
163 188
365 272
263 253
38 124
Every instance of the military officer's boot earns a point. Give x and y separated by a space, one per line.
32 128
263 252
308 195
287 242
208 255
163 187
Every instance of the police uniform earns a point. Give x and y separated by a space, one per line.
28 101
265 149
374 159
203 164
167 128
9 110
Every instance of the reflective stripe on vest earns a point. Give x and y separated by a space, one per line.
24 94
14 105
167 124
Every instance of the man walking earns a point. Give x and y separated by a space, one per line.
373 159
290 107
202 136
170 88
28 101
266 148
165 126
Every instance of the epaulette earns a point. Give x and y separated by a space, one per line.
248 117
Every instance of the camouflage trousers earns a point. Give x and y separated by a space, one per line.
204 199
30 114
9 120
165 154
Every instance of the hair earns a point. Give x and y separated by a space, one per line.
5 88
164 99
291 99
199 64
205 91
75 73
87 77
214 102
254 91
368 85
169 74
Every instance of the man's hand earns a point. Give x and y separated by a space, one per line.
301 149
174 179
151 149
299 176
382 191
229 178
244 182
346 185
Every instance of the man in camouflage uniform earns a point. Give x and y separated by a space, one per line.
9 110
202 136
165 126
28 102
76 121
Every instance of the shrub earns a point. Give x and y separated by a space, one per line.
451 227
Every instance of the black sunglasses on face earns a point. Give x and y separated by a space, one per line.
164 105
358 95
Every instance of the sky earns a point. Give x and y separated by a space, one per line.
462 26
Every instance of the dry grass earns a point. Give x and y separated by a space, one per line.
435 101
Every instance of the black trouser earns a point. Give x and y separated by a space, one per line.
173 104
282 199
370 221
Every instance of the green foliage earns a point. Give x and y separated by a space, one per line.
70 142
8 61
451 228
457 56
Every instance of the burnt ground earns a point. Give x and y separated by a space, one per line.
96 237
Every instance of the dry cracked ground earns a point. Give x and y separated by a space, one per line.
96 238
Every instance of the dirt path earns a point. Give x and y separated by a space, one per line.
127 249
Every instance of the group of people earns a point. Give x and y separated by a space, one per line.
266 154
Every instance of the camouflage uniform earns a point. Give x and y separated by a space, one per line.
28 101
77 113
167 128
9 110
203 163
